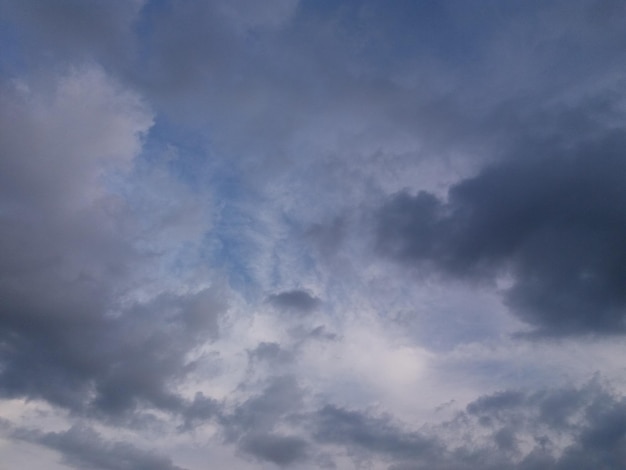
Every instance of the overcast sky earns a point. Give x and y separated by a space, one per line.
304 234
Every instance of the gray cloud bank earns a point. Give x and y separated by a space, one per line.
567 428
551 429
82 447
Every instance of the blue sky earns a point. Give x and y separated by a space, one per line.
312 234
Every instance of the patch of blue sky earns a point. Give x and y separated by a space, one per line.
186 153
231 243
13 61
234 249
163 146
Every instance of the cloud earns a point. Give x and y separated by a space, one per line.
247 15
76 328
297 301
569 428
551 219
370 435
173 173
62 137
257 426
271 353
84 448
281 398
72 355
72 29
550 429
199 411
281 450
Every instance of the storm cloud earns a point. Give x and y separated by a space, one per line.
552 220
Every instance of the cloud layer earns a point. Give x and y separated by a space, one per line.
312 235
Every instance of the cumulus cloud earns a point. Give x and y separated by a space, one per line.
61 137
281 450
550 219
255 424
372 435
82 447
71 334
573 427
559 428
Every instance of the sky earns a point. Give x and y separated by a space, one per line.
312 234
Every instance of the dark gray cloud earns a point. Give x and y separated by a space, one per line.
83 448
253 424
367 435
593 417
567 428
321 333
297 301
199 411
69 352
553 218
278 449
